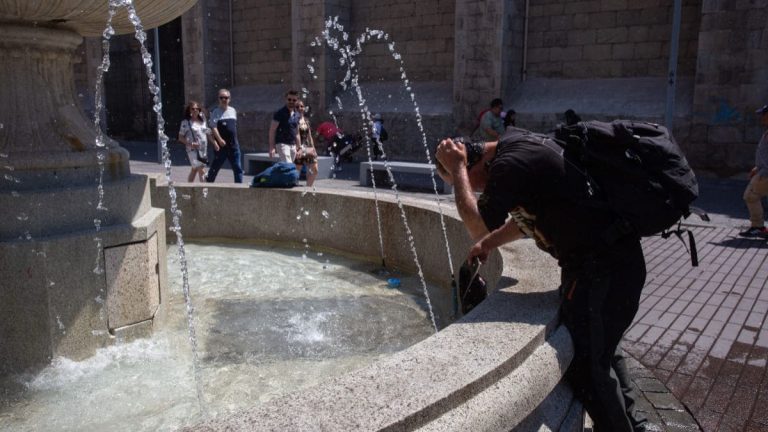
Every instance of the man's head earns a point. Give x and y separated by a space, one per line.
376 117
224 98
291 99
475 157
763 113
497 106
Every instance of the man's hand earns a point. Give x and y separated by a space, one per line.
271 152
453 156
479 250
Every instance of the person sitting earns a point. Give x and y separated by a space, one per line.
306 155
491 124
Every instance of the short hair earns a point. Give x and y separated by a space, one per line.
223 90
291 93
496 103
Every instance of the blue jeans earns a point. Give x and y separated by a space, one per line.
230 153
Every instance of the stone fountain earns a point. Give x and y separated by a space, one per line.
74 277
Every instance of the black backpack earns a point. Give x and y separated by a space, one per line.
636 170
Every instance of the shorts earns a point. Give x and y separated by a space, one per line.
285 152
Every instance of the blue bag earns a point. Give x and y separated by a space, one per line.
279 175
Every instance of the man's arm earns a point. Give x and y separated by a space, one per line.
272 130
507 233
218 141
452 159
466 204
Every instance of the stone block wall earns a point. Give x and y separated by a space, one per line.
731 83
608 38
217 52
423 34
479 57
261 32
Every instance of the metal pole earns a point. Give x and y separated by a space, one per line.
524 69
231 49
674 45
159 83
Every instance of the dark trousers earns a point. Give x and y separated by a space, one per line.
230 153
600 297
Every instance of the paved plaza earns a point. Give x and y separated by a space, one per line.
700 337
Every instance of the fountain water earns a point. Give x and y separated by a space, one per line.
259 338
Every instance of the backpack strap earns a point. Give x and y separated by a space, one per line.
691 241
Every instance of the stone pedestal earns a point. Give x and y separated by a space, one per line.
74 275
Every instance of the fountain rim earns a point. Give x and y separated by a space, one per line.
467 361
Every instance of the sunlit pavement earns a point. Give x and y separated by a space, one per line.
700 333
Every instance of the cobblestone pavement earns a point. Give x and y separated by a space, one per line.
700 337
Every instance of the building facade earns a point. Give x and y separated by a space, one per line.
437 63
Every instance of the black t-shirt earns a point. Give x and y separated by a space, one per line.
288 126
532 183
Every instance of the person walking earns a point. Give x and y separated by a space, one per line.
378 136
223 124
758 183
525 192
194 133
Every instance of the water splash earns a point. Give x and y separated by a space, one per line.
141 36
351 80
98 109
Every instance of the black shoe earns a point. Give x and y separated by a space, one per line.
755 232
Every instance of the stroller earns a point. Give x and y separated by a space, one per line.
345 146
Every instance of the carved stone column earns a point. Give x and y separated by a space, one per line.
75 276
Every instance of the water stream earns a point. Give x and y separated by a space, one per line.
347 54
141 37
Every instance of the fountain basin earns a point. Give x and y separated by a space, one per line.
494 369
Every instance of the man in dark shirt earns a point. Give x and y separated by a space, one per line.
284 140
528 189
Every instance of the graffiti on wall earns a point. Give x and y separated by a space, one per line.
725 114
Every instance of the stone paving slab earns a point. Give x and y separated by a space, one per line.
702 330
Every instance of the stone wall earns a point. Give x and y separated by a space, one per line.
731 83
422 32
608 38
261 31
207 54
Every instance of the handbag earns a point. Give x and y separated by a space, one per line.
201 158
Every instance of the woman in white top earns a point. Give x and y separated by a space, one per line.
194 134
